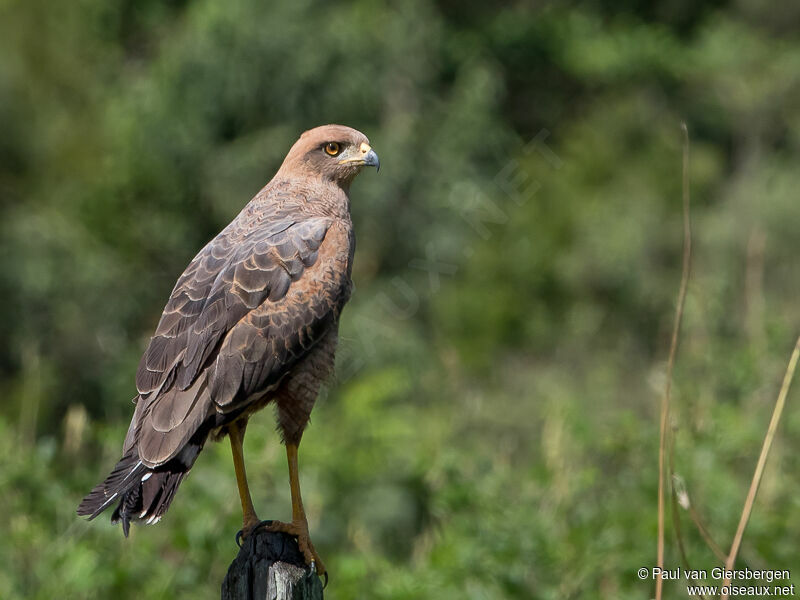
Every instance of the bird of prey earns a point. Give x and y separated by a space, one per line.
252 321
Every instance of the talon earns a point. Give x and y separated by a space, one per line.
249 530
325 577
266 524
300 531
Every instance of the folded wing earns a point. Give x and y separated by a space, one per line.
251 303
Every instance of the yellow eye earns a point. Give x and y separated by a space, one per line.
332 148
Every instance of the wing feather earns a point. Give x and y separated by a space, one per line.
261 347
232 275
255 299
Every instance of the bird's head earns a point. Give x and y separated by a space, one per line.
332 152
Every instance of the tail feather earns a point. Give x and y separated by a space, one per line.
149 500
125 475
144 493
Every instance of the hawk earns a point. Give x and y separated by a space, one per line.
252 321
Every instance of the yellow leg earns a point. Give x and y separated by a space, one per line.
249 518
299 525
298 513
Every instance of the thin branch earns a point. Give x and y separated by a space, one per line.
762 460
673 349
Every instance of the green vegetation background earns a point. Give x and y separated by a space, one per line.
492 432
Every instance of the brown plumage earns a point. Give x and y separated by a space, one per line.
252 320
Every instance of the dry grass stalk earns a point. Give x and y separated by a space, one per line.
762 460
665 401
681 495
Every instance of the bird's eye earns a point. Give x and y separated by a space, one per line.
332 149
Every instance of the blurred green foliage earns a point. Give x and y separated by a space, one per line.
492 432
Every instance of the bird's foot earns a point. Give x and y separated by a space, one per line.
299 529
247 530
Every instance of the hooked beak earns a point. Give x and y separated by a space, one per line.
372 160
365 156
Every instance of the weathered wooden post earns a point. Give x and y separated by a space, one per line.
269 566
